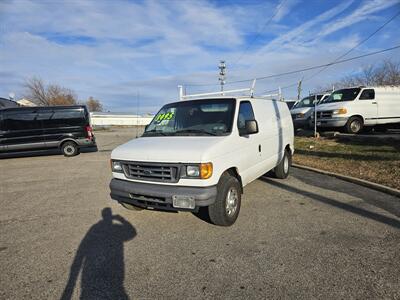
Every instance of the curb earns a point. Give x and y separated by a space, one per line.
366 183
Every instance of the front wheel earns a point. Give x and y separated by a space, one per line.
283 168
354 125
225 210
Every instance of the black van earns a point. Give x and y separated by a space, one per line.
36 128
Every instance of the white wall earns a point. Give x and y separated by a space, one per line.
122 120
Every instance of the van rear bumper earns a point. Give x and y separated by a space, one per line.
86 142
148 195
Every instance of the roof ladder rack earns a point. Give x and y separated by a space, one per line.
183 96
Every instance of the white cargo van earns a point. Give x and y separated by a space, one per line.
201 153
361 107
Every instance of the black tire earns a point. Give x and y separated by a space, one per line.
354 125
69 149
130 206
283 169
222 212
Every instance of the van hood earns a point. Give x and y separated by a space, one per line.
300 110
186 149
330 106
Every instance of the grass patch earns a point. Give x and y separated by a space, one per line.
377 161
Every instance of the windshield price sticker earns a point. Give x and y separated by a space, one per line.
164 117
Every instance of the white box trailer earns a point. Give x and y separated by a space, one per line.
361 107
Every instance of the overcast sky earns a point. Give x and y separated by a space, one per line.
122 51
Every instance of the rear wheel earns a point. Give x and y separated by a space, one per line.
69 149
130 206
354 125
282 170
225 210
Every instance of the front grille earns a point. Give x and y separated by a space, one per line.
324 114
151 171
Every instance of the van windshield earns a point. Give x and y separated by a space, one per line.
343 95
305 102
212 117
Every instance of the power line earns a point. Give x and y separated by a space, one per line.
304 69
344 54
359 44
337 60
277 9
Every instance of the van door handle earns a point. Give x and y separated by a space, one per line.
374 102
259 148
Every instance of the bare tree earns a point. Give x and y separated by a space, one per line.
387 73
94 105
52 94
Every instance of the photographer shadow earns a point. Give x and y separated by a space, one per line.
100 260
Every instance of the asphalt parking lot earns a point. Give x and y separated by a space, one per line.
310 236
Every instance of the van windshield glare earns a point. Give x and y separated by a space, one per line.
343 95
305 102
195 117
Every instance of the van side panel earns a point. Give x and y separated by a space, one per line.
388 100
59 125
22 130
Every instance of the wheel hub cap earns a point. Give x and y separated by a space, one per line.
286 164
231 202
355 126
69 149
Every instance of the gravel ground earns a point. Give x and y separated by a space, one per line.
310 236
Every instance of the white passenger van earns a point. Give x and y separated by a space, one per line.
361 107
202 153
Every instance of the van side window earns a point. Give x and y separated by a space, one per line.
245 114
21 121
62 118
367 94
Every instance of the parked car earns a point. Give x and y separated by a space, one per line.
302 111
202 153
361 107
36 128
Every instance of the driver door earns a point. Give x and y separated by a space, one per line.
250 157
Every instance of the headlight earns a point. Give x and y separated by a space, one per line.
299 116
201 171
193 171
340 111
116 166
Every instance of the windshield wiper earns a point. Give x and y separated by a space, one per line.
195 131
155 131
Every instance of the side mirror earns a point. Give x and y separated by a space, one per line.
250 127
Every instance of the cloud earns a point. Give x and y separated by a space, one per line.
115 50
284 8
361 13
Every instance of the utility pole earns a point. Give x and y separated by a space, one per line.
299 91
222 73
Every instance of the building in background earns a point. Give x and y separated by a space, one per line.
26 102
119 119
